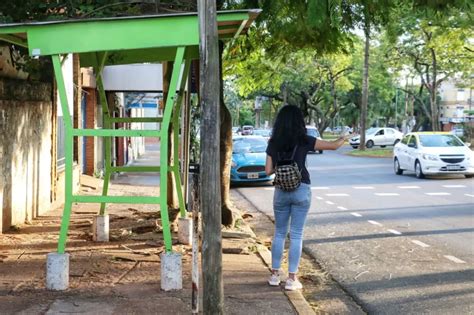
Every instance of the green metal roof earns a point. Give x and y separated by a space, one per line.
148 38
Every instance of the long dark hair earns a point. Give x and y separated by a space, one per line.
289 129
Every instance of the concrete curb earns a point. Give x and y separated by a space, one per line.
296 298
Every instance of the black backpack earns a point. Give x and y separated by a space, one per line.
287 173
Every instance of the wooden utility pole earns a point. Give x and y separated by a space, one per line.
213 290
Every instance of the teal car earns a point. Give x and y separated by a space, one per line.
248 160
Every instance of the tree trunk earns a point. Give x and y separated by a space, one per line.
211 208
228 213
435 124
365 88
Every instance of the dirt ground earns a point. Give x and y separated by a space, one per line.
124 272
122 276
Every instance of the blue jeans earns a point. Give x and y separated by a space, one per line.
290 209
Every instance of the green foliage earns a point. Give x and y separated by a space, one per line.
433 47
246 114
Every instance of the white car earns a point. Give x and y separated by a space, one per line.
378 136
313 132
431 153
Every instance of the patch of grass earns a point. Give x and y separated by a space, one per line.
382 153
330 136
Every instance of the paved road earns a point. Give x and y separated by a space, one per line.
399 245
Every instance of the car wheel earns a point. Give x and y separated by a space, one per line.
354 147
320 151
469 176
383 146
396 141
369 144
396 167
418 170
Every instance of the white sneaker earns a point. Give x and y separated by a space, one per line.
274 280
292 285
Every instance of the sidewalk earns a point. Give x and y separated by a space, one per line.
123 275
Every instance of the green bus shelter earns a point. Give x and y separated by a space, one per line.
118 41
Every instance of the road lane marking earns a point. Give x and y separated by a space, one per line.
387 194
269 188
329 202
337 195
319 188
342 208
374 222
408 187
455 259
469 195
454 186
319 198
356 214
419 243
363 187
438 194
394 232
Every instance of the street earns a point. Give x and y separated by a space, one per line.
397 244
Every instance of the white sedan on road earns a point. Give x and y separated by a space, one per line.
430 153
378 136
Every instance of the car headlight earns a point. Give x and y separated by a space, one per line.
233 164
430 157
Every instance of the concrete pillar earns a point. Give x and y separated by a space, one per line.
100 228
185 231
57 271
171 271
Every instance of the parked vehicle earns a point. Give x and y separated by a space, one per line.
378 136
266 133
458 131
248 160
342 129
313 132
429 153
247 130
235 131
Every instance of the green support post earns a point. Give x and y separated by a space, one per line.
178 61
69 140
175 167
101 57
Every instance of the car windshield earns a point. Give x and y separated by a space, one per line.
312 132
371 131
249 145
440 141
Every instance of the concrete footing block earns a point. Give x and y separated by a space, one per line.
57 271
171 271
185 231
100 228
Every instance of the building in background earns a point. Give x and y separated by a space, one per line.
456 104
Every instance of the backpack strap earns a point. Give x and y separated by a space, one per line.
292 155
294 152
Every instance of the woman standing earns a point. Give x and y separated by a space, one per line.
289 140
